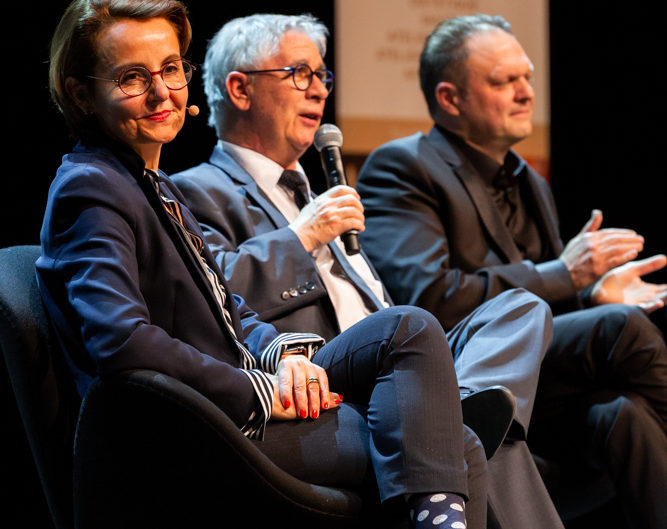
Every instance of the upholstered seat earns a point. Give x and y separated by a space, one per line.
142 449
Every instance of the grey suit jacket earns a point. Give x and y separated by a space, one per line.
436 239
260 255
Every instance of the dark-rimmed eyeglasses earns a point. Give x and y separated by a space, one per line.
302 76
136 80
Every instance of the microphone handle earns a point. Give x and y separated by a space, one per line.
351 241
332 164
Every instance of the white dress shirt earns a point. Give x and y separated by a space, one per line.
348 303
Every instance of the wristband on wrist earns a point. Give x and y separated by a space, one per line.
294 350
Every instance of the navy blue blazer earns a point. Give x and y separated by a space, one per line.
436 238
124 291
262 258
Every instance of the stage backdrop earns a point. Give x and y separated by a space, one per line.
377 49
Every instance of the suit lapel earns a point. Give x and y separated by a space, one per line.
385 292
186 252
545 214
499 235
248 186
370 299
135 166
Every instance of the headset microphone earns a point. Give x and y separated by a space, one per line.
193 110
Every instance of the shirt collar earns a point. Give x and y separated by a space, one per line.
264 171
493 173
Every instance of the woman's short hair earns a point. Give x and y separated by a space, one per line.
243 44
444 54
73 46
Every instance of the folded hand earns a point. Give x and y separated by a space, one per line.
301 389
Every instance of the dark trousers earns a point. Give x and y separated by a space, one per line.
401 418
602 404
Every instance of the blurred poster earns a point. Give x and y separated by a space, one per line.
378 43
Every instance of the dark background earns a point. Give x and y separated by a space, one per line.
608 119
607 113
36 134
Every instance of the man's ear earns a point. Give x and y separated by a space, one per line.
448 97
80 93
238 89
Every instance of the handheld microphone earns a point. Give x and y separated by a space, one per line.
328 141
193 110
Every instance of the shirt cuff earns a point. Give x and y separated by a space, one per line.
271 355
254 428
557 282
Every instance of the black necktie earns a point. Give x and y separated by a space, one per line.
342 268
293 181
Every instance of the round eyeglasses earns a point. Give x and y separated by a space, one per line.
136 80
302 76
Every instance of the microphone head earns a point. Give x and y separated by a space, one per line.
328 135
193 110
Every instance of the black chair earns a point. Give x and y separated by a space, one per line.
143 449
41 382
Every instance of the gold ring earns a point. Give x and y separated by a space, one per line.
313 380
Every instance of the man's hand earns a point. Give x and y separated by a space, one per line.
593 252
624 285
332 213
294 393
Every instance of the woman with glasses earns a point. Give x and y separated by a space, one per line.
129 283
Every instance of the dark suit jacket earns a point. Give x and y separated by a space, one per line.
123 290
260 255
436 239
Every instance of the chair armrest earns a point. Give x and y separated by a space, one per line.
150 447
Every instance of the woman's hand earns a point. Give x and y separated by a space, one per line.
301 390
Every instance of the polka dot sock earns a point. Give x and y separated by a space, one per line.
437 511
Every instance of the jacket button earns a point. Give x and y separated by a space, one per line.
284 294
293 292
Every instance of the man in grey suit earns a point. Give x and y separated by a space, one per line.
266 85
455 217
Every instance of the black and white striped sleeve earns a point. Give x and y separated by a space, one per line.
254 428
271 355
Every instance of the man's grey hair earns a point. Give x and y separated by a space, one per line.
244 44
444 54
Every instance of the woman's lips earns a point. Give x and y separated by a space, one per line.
159 116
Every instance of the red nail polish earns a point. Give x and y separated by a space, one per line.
340 397
314 414
325 405
337 401
303 414
287 404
